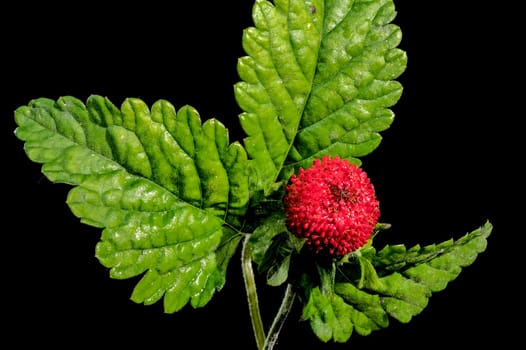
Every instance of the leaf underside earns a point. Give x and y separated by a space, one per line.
161 185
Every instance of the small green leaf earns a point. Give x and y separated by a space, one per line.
278 273
261 238
227 248
329 316
276 261
368 276
160 183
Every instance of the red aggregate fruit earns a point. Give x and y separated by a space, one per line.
333 205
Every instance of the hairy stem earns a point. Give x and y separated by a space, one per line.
252 297
281 316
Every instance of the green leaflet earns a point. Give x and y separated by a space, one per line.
353 85
400 292
329 315
276 79
262 237
318 79
160 183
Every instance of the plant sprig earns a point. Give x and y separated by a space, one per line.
175 199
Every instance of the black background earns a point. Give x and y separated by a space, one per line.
445 166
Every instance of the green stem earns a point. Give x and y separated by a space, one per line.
252 297
281 316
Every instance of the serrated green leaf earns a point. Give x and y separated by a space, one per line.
452 258
403 298
368 314
397 283
336 310
451 254
160 183
423 271
276 76
329 316
318 79
353 87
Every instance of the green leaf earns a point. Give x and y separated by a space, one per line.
261 238
329 315
272 247
160 183
402 297
368 312
353 87
276 261
277 77
396 282
446 258
368 276
318 79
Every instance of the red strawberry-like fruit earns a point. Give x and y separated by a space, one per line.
333 205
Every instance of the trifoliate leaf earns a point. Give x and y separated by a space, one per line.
160 183
318 79
397 283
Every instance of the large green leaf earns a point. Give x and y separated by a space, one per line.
404 281
160 183
318 79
